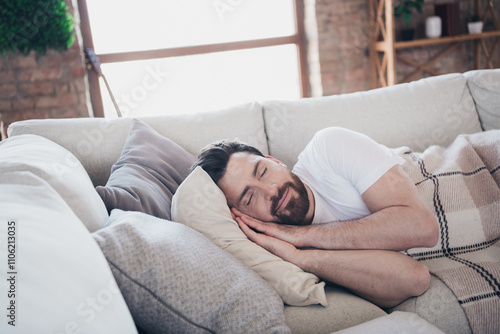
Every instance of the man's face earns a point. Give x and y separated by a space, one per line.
264 189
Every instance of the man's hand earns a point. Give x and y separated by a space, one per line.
280 248
288 233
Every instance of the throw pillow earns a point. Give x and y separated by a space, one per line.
175 280
147 174
201 205
59 168
58 278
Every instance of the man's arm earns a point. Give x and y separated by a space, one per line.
400 220
385 278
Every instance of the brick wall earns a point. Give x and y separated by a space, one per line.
53 85
343 39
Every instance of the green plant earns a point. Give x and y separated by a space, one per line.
405 9
38 25
475 18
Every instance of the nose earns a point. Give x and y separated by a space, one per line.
270 190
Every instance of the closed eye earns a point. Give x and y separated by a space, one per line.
249 199
264 172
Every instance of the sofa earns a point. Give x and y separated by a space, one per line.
85 253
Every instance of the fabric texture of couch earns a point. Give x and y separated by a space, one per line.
89 240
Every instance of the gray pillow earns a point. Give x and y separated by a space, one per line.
147 174
174 280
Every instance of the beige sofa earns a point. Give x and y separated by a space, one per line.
431 111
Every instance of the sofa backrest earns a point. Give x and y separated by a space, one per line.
484 86
418 114
98 142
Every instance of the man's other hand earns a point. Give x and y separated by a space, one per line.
280 248
288 233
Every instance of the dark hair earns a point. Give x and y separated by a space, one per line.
213 158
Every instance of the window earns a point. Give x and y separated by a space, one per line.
175 56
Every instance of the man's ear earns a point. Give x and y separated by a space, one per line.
275 160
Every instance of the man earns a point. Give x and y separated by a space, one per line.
344 213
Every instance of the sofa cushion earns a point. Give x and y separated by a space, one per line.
147 174
98 142
418 114
201 205
175 280
63 283
439 306
344 310
61 169
484 86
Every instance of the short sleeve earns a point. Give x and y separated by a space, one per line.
354 156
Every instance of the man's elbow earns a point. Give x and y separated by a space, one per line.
431 228
421 280
426 227
415 281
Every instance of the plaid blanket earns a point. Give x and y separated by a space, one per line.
462 185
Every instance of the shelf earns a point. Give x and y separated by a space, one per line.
383 45
443 40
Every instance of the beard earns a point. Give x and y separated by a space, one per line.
297 207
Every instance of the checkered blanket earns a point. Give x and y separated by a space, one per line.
462 185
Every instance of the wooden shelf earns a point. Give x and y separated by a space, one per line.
444 40
384 47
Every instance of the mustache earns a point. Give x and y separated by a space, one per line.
276 199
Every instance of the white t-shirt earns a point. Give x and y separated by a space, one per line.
339 165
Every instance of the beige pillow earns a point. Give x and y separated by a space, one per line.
201 205
60 169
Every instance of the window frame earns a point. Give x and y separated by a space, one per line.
298 39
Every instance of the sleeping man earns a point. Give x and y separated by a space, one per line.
346 212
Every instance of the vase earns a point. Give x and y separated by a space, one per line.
433 27
475 27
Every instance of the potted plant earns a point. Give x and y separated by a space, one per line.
405 10
35 25
475 25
